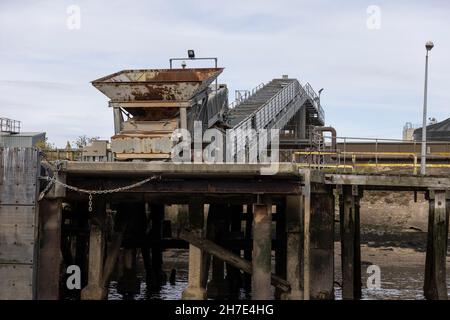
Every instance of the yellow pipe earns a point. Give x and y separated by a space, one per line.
385 165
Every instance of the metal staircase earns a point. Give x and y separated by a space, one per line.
271 107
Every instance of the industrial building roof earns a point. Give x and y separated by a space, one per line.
438 131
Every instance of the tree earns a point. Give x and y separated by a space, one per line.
84 140
45 145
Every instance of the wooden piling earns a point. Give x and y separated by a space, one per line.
217 287
350 242
128 282
248 238
435 285
234 274
322 243
50 258
281 240
195 289
294 217
95 289
261 260
157 216
306 233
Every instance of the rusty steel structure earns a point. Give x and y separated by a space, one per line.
155 103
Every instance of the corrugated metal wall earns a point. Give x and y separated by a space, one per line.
21 140
19 169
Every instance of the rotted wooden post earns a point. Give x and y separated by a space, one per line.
157 276
234 274
262 247
95 289
435 285
322 242
50 257
294 217
280 249
350 241
217 287
195 289
248 238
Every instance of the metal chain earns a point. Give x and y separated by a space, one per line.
46 189
53 180
90 202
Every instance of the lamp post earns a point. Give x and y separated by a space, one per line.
320 92
423 156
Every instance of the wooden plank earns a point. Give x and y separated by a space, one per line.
16 282
224 186
230 258
173 169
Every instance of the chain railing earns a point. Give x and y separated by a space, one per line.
91 192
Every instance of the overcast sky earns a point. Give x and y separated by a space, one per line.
371 63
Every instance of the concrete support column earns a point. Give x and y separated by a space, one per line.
294 218
435 286
95 289
261 259
350 242
195 289
50 257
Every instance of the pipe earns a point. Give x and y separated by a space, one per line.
333 135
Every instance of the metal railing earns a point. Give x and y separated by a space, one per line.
241 98
315 101
9 125
378 155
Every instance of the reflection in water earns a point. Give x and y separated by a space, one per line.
167 292
397 283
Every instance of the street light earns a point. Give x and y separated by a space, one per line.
320 92
429 45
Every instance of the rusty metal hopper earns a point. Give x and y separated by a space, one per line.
156 84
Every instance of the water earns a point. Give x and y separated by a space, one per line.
397 282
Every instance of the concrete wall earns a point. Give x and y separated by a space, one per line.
394 210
